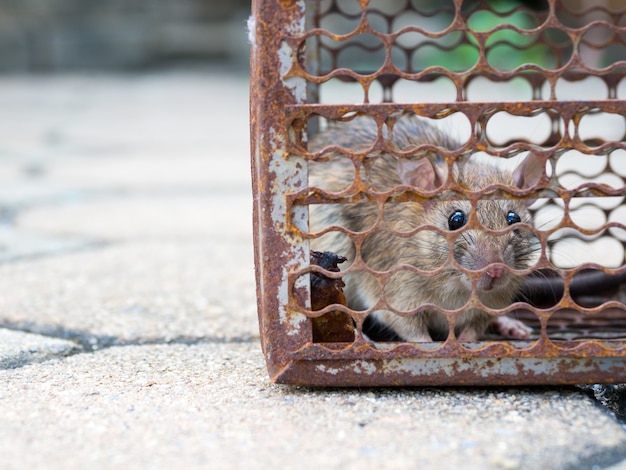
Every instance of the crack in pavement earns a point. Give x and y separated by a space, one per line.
87 342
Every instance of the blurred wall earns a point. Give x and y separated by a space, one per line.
49 35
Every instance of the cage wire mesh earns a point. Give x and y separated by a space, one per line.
343 90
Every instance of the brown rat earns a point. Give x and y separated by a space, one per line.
426 249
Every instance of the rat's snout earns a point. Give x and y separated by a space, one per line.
488 255
483 254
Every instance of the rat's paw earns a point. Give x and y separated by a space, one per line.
509 328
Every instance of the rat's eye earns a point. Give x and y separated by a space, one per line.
456 220
512 218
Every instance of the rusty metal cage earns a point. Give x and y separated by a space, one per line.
508 78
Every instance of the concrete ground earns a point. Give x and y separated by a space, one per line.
128 334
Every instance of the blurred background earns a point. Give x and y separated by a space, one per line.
59 35
111 104
53 35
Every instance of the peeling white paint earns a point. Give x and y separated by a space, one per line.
288 177
364 367
488 367
297 85
358 367
300 218
292 320
327 370
287 56
428 367
298 24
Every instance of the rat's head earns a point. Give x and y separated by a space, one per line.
500 243
492 235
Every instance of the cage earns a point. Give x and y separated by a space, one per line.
344 90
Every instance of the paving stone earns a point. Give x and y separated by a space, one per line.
18 348
210 406
136 292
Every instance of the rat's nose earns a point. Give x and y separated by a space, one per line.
494 273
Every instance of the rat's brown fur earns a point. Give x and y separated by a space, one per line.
383 250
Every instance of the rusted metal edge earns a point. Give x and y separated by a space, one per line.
416 371
276 251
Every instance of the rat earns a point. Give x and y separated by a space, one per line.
385 247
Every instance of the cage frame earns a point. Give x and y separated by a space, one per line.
278 97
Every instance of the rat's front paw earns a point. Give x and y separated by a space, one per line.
509 328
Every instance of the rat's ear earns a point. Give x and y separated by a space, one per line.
528 172
421 173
